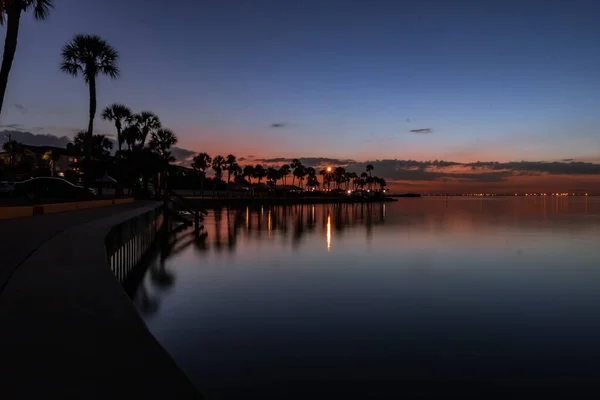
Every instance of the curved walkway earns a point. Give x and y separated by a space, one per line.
67 328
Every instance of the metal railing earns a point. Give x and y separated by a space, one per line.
127 243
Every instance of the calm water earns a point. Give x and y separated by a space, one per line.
368 300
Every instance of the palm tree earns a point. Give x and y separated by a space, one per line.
147 122
161 142
273 175
248 172
101 145
370 168
327 177
300 173
201 163
338 176
90 56
217 165
259 172
294 165
285 171
130 134
13 10
312 180
230 166
117 113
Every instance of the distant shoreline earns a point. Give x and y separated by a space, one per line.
276 201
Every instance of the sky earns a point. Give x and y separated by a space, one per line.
462 81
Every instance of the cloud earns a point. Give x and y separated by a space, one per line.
20 107
422 131
278 125
307 161
12 126
182 155
36 139
567 159
242 159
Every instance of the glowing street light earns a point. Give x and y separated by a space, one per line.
328 169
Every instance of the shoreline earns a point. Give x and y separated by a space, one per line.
279 201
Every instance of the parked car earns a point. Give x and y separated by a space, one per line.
54 188
7 188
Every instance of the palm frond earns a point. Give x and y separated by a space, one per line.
41 8
89 55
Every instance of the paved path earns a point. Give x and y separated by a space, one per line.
20 237
67 327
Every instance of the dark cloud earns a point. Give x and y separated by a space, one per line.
422 131
567 160
278 125
411 170
250 156
552 168
182 155
12 126
20 107
36 139
308 161
242 159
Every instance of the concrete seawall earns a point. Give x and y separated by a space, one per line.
68 329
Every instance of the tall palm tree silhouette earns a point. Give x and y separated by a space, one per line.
90 56
201 163
10 14
248 172
370 168
117 113
160 143
130 135
285 170
294 165
148 122
217 165
230 166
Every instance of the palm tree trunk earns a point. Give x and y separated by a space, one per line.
119 139
90 131
13 19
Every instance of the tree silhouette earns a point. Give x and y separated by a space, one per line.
90 56
117 113
285 170
259 172
147 122
160 143
248 171
230 166
201 163
10 14
294 165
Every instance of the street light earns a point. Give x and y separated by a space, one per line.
328 169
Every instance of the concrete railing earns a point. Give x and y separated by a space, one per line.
127 242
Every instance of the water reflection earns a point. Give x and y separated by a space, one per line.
268 297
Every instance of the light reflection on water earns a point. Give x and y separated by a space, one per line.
346 296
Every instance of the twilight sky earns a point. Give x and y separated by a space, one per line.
475 80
